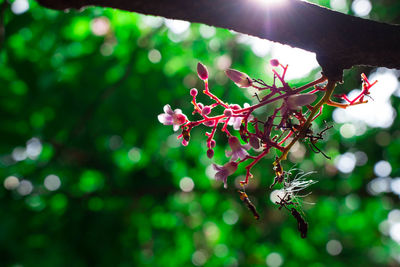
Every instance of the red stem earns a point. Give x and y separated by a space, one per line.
215 98
248 167
295 91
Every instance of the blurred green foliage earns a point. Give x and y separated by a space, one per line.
80 95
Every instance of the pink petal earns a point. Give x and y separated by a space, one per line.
165 119
242 153
217 167
168 109
246 146
179 119
237 123
221 176
235 156
241 79
231 167
178 111
176 127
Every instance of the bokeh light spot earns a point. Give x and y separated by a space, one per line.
361 8
52 182
207 31
11 183
33 148
224 62
346 162
211 231
186 184
384 227
91 180
394 232
221 250
199 257
154 56
339 5
19 6
177 26
377 113
100 26
347 130
352 201
361 158
274 259
395 185
230 217
394 216
25 188
334 247
379 185
135 154
19 154
382 168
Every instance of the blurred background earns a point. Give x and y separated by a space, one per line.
89 177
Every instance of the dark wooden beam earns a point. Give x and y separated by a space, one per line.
340 41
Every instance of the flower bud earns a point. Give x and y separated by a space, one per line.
210 153
209 123
184 142
206 110
212 143
241 79
274 62
234 106
202 71
200 105
254 142
295 102
193 92
228 112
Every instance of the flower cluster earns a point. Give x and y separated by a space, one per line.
295 110
292 118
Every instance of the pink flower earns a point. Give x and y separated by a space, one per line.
175 118
237 121
224 171
238 150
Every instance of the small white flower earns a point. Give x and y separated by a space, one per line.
237 121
